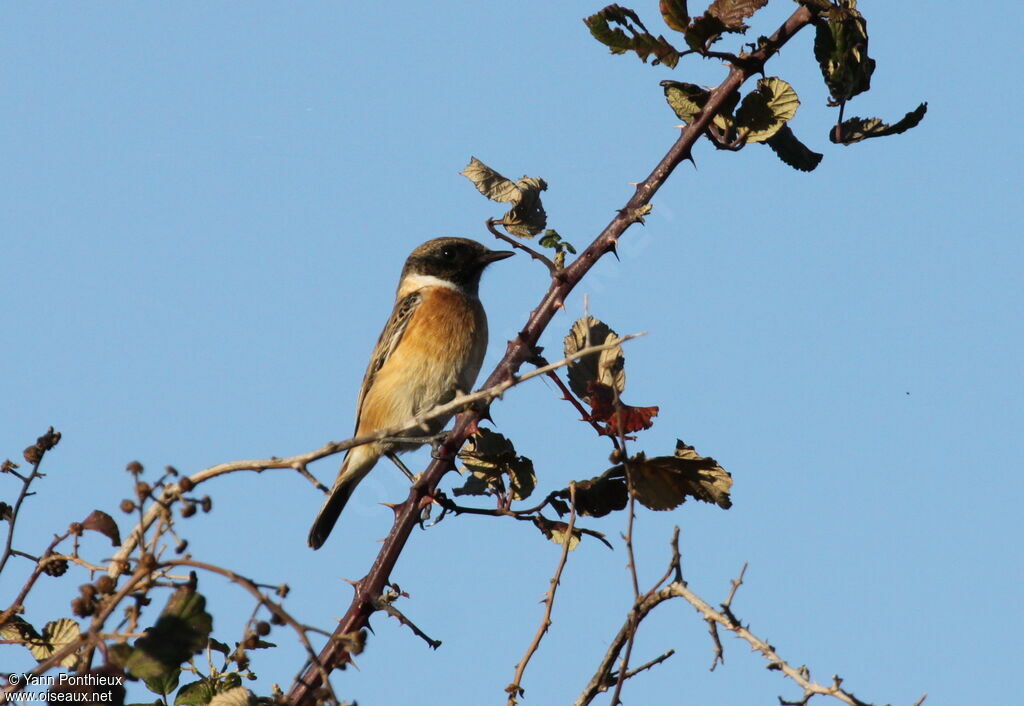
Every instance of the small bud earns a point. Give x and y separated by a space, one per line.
82 608
276 619
127 506
206 503
263 628
105 585
88 591
616 456
188 509
142 490
135 468
171 470
33 454
186 484
147 562
283 590
181 547
76 528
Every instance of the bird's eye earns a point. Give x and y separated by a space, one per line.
448 253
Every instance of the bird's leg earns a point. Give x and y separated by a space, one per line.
436 442
401 466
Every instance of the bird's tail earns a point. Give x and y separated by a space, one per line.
356 465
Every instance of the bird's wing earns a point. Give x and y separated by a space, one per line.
387 343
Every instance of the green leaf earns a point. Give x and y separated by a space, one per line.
163 682
239 696
857 129
606 367
766 109
182 630
664 482
841 48
630 35
675 14
527 217
686 99
196 693
792 151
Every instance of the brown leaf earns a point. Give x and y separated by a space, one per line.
555 531
605 367
601 495
664 482
99 521
489 456
623 419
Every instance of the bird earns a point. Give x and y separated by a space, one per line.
430 349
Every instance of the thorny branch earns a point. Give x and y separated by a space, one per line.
300 462
523 347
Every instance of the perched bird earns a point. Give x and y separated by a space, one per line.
431 348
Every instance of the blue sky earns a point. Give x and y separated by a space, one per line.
205 207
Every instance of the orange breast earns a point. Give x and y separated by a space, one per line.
440 353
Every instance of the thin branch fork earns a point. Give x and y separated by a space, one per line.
514 689
522 349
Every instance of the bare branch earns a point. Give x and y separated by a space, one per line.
514 689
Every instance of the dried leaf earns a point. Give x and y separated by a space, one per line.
664 482
675 14
556 531
489 456
527 217
733 12
841 48
605 367
99 521
630 35
600 496
621 419
57 634
857 129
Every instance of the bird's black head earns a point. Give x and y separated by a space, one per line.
457 260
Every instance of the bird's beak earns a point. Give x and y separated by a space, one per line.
495 255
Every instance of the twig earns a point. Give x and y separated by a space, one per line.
646 665
274 607
385 603
568 396
514 689
172 492
42 445
552 267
